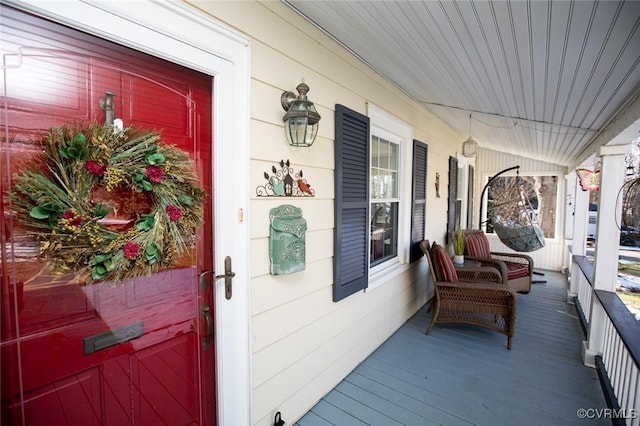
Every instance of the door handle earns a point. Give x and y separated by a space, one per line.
228 277
205 309
208 321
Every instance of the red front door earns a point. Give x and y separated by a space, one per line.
137 352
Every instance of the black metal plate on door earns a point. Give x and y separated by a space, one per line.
113 337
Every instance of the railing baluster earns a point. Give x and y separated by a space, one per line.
636 399
617 360
629 391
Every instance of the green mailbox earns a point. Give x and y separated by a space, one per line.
287 240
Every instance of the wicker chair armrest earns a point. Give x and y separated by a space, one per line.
480 273
481 287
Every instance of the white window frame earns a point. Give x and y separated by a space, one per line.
386 126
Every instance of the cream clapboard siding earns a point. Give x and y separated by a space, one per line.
553 255
304 343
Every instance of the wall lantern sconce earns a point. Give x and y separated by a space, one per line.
470 146
301 119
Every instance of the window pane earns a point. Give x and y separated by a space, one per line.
384 169
375 152
384 232
384 154
374 183
393 156
393 185
383 184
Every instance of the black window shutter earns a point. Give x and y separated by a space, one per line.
452 214
470 206
350 263
418 198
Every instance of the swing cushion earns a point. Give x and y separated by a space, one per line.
444 268
477 245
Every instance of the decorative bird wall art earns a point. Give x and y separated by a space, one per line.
284 182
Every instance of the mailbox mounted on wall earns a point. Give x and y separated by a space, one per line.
287 240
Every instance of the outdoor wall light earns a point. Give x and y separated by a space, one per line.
301 119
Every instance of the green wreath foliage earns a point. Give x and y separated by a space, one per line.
52 198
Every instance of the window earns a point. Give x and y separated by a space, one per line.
390 182
384 200
378 218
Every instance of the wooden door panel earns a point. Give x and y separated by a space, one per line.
61 90
37 314
58 354
161 286
74 400
153 103
117 391
163 382
111 308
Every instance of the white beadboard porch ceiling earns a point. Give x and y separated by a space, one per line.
539 79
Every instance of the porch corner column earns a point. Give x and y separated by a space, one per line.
579 237
605 268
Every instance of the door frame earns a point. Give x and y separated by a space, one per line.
180 34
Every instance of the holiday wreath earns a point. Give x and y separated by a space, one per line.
68 200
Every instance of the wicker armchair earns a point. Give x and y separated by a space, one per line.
517 267
475 296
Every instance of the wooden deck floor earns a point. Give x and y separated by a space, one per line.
464 375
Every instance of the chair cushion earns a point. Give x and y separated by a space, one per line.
477 245
516 270
445 271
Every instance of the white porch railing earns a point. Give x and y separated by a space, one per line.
618 364
584 289
623 372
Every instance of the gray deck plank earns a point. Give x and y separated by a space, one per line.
381 399
312 419
464 375
351 404
330 415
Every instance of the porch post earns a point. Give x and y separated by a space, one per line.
579 237
605 268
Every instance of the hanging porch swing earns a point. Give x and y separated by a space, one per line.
631 207
513 217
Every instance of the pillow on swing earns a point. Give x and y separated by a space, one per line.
445 270
476 244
